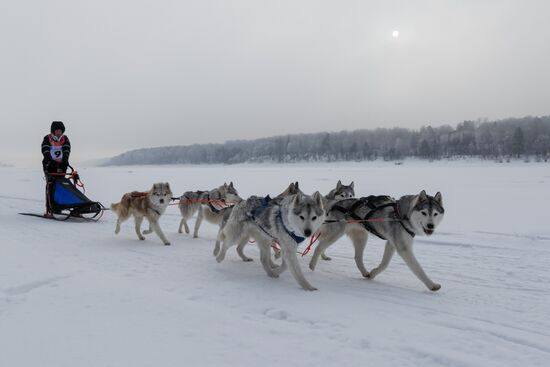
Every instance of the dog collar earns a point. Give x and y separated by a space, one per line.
402 219
294 236
156 211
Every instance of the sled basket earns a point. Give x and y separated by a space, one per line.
66 200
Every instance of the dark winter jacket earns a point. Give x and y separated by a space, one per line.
56 152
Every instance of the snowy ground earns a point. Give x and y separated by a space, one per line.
73 294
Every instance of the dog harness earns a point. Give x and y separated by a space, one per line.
294 236
187 198
140 194
374 203
209 203
156 211
264 203
213 208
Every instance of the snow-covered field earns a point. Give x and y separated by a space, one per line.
73 294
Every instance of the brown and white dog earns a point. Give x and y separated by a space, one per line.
150 204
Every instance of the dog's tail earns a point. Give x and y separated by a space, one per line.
120 210
114 207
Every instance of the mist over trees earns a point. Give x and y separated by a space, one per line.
508 138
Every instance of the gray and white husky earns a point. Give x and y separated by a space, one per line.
288 222
396 221
189 205
212 212
340 192
292 189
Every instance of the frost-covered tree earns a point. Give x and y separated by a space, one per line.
485 139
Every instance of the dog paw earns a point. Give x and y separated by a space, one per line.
370 275
248 259
312 267
366 275
326 258
310 288
166 243
195 236
141 238
435 287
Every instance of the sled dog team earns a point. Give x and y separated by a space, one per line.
289 218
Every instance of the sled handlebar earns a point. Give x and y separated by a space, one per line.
70 174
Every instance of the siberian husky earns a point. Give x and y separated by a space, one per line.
287 221
396 221
150 204
213 209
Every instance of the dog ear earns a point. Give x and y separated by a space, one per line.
438 197
296 185
339 184
414 202
297 199
318 198
422 196
225 185
352 185
231 185
291 187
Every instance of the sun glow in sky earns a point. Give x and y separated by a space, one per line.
198 73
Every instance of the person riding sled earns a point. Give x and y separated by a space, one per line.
56 149
65 196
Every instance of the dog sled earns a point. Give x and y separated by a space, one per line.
66 200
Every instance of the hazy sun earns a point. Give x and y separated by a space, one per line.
395 34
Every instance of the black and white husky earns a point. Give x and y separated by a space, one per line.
287 221
396 221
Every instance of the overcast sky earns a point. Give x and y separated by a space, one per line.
130 74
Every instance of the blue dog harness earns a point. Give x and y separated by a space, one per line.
264 203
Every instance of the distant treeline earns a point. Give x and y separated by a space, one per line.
512 137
